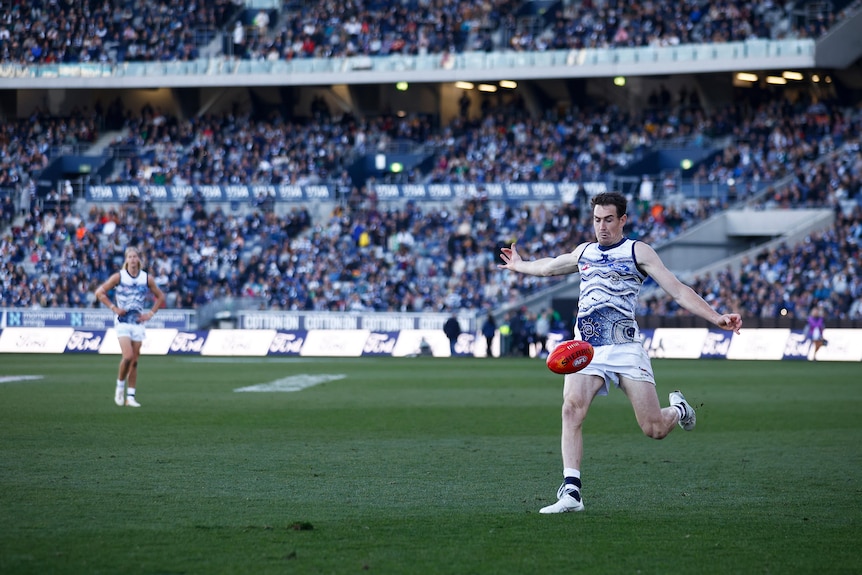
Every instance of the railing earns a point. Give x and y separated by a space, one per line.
516 192
68 150
593 61
263 4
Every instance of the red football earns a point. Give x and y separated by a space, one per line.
570 356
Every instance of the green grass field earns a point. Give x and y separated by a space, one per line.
421 466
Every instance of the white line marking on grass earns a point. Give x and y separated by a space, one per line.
12 378
292 383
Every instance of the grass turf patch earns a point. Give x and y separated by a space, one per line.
421 466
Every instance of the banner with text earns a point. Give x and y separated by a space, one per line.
255 194
693 343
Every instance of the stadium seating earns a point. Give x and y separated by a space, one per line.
28 143
93 31
90 31
413 257
416 257
788 281
822 269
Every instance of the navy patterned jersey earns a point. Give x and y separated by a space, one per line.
132 295
610 282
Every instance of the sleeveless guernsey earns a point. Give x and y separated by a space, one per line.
610 282
131 295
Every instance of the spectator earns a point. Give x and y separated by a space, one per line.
238 38
452 329
814 329
542 329
489 330
8 211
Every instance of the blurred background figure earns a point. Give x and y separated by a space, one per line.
814 330
489 329
542 329
452 329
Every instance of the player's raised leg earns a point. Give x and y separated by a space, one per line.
654 421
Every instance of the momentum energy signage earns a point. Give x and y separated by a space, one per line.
521 192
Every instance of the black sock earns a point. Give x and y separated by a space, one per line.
574 484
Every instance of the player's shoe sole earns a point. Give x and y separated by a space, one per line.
689 420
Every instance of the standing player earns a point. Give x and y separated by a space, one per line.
133 285
612 271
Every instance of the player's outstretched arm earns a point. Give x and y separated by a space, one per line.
651 263
561 265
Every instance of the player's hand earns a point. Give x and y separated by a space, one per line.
731 322
510 257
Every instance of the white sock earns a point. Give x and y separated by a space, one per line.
121 384
131 392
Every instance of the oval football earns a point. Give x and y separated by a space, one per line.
570 357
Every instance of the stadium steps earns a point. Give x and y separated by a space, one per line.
839 48
105 140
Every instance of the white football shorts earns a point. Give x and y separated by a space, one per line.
628 360
133 331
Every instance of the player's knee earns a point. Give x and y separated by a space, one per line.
573 412
654 430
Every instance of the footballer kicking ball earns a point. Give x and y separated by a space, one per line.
570 356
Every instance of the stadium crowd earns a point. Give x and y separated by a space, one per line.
766 140
58 32
411 258
788 281
42 32
231 148
366 257
28 144
378 29
503 142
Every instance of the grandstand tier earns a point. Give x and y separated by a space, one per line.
392 189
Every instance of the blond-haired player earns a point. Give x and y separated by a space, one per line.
132 287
